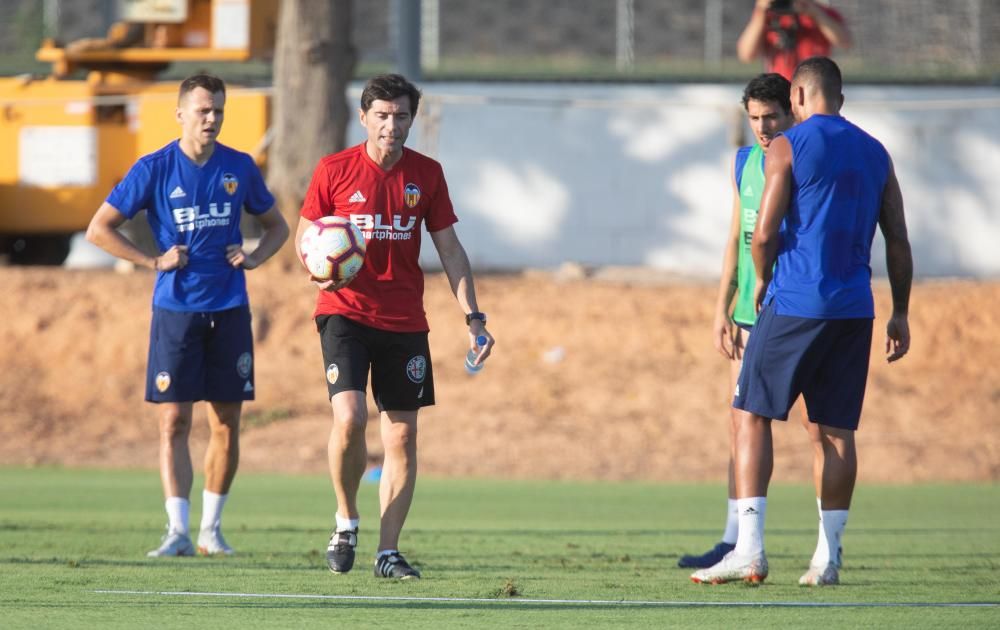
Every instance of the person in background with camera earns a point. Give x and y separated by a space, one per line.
786 32
375 322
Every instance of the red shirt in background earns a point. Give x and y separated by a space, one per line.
809 41
389 207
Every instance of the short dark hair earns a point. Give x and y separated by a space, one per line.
769 87
211 83
822 72
389 87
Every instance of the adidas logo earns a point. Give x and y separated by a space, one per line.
357 197
749 191
178 193
420 394
750 510
248 387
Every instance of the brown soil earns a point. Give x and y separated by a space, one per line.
639 393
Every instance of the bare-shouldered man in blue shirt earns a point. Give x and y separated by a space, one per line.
828 185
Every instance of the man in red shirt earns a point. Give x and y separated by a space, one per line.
786 32
376 321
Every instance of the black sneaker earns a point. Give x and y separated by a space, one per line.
393 565
340 551
707 559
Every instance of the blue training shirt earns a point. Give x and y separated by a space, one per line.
742 154
197 206
823 267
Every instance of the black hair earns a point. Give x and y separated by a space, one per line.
389 87
822 72
769 87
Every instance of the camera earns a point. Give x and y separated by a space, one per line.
786 30
782 6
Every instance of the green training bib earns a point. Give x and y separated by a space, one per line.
751 190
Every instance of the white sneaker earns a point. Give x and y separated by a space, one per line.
211 543
821 576
173 544
734 568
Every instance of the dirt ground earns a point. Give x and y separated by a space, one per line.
609 376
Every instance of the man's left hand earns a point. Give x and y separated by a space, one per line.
237 258
897 337
477 329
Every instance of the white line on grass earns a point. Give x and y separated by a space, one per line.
576 602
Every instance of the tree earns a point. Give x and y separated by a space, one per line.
313 63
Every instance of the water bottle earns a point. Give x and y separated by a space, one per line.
470 358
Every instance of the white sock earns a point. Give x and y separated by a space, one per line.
385 552
732 523
832 523
211 509
178 509
750 540
344 523
820 554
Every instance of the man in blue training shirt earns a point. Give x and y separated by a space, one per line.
767 102
201 345
828 184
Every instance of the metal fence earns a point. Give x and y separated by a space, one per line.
910 40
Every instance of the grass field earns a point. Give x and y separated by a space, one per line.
68 537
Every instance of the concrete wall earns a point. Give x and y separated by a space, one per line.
639 175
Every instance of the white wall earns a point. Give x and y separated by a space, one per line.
541 174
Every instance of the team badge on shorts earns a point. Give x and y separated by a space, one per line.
163 381
243 364
230 183
332 373
411 195
416 369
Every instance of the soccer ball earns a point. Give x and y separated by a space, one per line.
332 248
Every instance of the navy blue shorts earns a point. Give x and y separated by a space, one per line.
825 360
400 363
200 356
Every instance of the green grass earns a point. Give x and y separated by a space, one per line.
65 534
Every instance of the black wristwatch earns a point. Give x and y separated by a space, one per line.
475 315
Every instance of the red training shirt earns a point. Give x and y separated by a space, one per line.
809 41
389 207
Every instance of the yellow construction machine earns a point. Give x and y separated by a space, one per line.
66 142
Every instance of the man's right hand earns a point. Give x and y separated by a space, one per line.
330 285
174 258
722 334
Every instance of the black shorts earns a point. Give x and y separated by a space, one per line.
400 363
200 356
824 360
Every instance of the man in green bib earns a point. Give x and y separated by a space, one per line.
767 102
